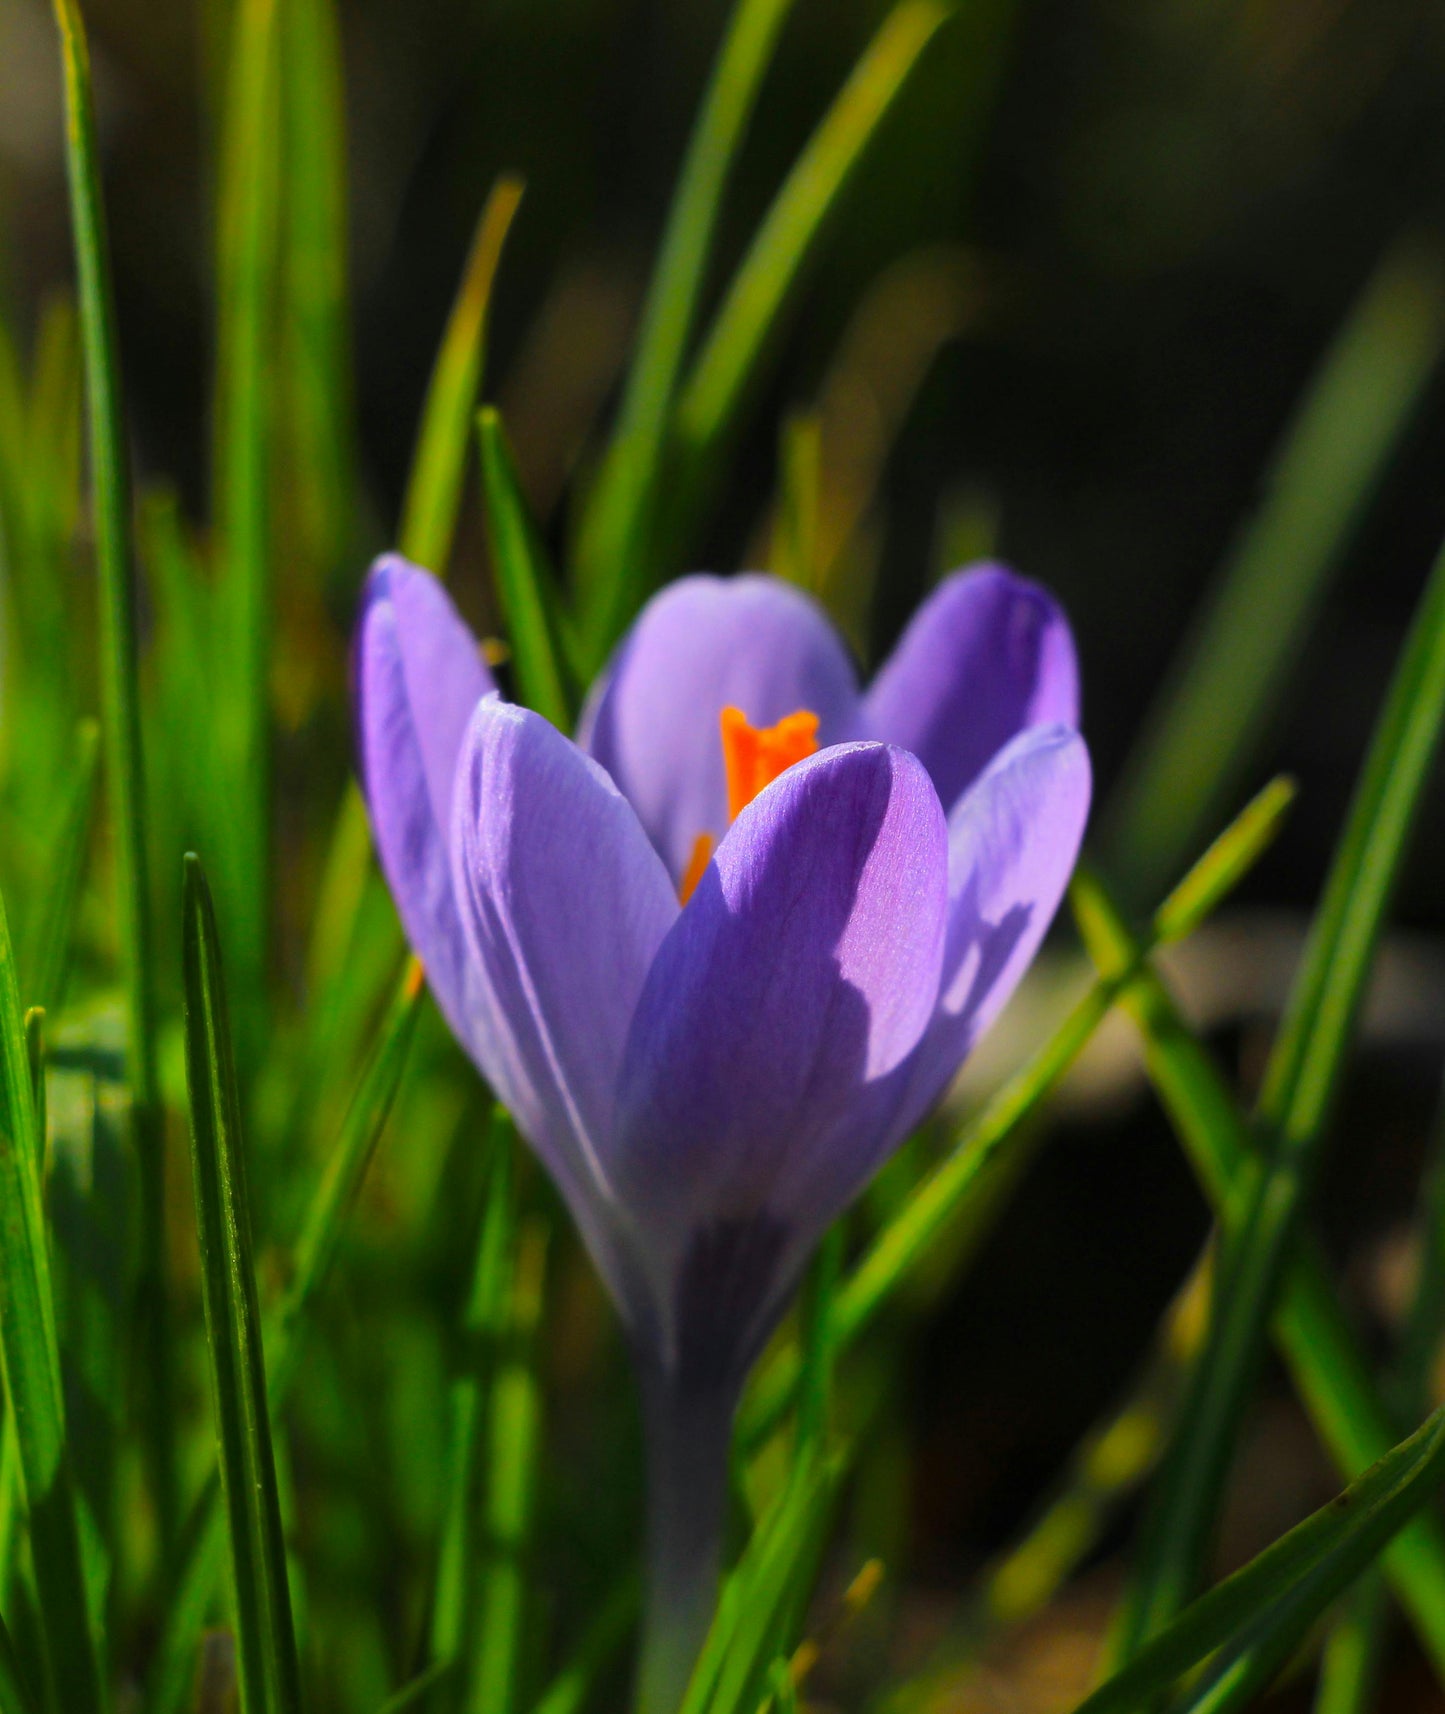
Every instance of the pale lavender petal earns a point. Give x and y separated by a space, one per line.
987 655
418 676
1013 841
704 643
564 904
796 981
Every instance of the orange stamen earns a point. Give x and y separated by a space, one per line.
755 755
696 866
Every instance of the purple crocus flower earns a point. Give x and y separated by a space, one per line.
711 1083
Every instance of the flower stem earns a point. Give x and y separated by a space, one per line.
688 1429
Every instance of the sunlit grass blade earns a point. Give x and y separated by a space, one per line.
514 1414
1335 451
439 465
727 366
30 1353
265 1638
1314 1333
35 1059
987 1144
1303 1071
1285 1588
483 1319
525 582
615 545
204 1540
120 703
50 943
1232 855
320 412
247 274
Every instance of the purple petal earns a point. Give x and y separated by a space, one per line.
564 903
704 643
418 677
798 978
987 655
1012 844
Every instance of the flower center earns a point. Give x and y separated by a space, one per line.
753 757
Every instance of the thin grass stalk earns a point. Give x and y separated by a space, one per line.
125 773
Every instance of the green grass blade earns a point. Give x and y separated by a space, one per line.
483 1321
434 492
1312 1329
320 408
120 702
1226 862
15 1697
615 547
35 1059
266 1643
1304 1070
421 1692
1347 429
795 554
513 1447
30 1353
727 365
1293 1581
525 581
611 1625
50 942
248 263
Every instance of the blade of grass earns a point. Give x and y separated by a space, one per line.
120 703
525 582
248 263
1348 427
985 1144
1311 1327
35 1059
30 1355
483 1320
615 545
14 1696
434 493
422 1688
204 1540
800 482
49 944
1293 1580
726 367
1303 1072
609 1628
514 1444
265 1638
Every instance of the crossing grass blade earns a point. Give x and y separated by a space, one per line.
30 1354
120 703
1261 1613
204 1540
1303 1072
1334 453
525 582
615 544
727 366
433 495
51 940
1313 1331
15 1696
987 1144
265 1638
610 1627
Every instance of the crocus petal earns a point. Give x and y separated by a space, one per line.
564 904
987 655
1012 844
796 981
704 643
418 677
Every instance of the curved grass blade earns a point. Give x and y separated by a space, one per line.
718 383
30 1354
120 702
434 492
1334 453
50 941
1291 1583
525 582
1304 1069
615 546
1312 1329
266 1643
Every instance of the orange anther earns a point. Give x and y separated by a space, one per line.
755 755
